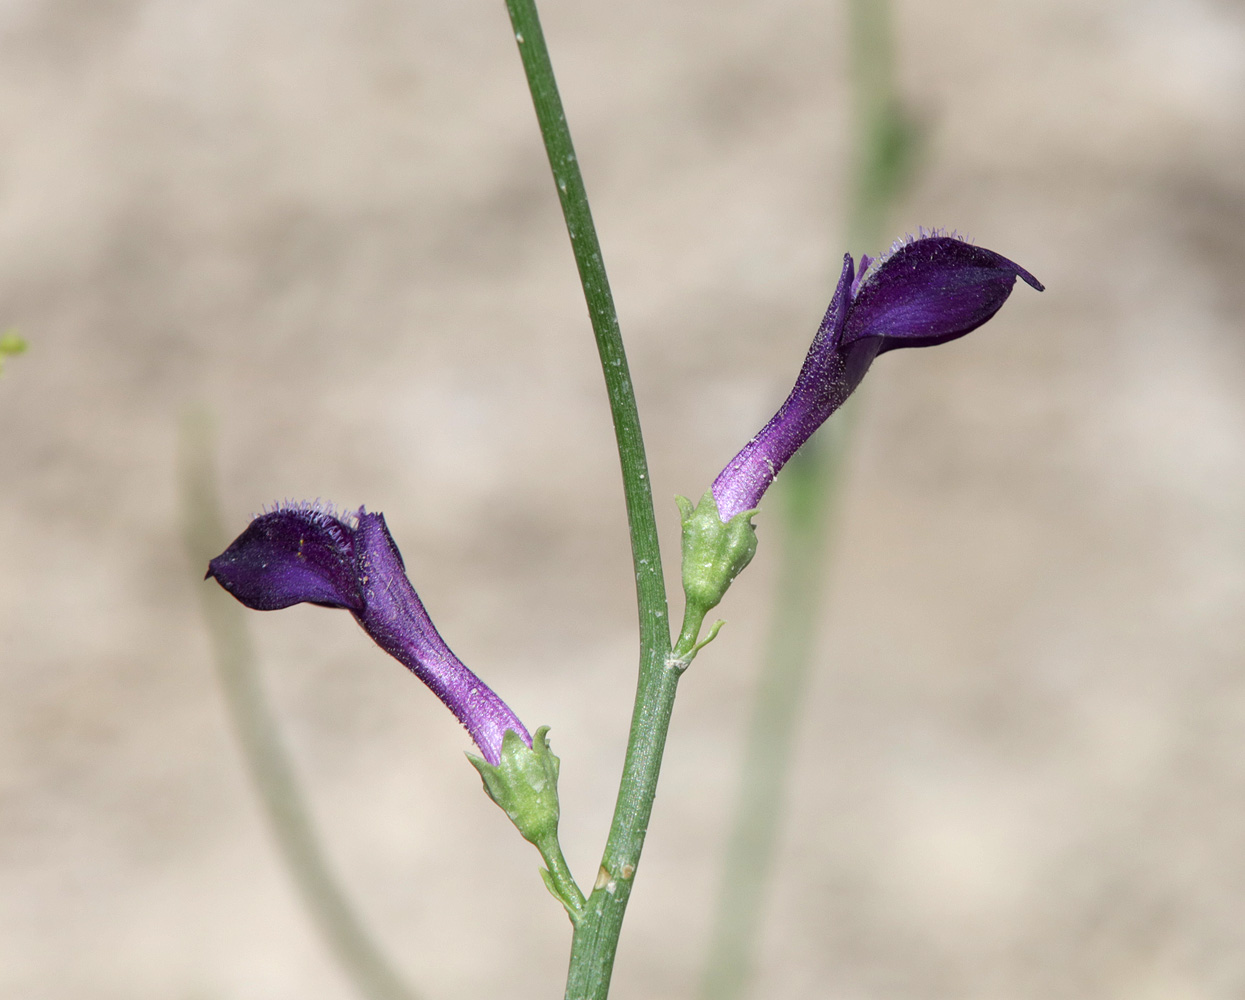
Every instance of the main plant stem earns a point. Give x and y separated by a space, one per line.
596 931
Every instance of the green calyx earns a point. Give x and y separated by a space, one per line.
524 782
714 554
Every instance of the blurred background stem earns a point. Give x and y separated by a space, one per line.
882 152
11 344
271 770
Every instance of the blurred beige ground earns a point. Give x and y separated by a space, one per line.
1023 759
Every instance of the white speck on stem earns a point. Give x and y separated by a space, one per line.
518 37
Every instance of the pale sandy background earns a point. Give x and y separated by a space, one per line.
1023 759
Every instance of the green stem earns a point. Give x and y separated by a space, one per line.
805 516
596 933
884 147
563 882
11 344
885 139
267 760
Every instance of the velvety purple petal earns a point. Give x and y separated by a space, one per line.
291 556
393 615
931 291
827 378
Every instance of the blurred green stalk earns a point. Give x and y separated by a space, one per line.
266 758
883 147
11 344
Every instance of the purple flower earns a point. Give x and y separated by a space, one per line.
925 291
303 553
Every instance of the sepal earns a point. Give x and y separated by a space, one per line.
524 782
713 553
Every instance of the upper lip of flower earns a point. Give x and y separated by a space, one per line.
308 553
293 554
927 290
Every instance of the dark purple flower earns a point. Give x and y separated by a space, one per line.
925 291
303 553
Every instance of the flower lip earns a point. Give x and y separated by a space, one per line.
868 264
292 554
930 290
